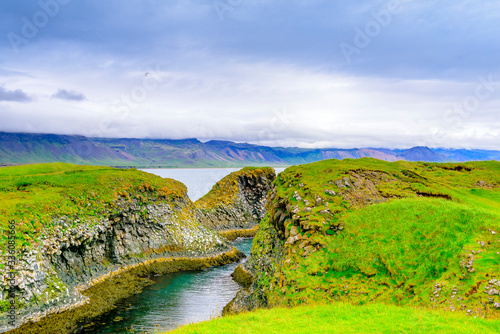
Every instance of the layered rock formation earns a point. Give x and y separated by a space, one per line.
236 204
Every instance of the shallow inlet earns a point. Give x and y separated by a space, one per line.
174 300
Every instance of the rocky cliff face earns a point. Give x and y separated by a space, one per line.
141 229
237 202
130 235
51 278
290 228
264 263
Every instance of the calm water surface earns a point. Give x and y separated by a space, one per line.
174 300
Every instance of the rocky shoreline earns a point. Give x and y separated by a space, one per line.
101 294
232 235
70 262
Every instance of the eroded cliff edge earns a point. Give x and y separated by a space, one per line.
100 233
236 204
412 234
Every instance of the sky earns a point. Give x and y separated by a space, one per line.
315 73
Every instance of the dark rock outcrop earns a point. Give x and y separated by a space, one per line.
237 203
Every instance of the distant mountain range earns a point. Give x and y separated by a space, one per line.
21 148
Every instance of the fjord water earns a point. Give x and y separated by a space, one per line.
198 181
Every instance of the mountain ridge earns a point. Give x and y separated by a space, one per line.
22 148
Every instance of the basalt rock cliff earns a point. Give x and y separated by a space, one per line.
236 204
78 265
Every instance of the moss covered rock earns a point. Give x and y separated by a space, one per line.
242 276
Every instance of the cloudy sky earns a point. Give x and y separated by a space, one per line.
309 73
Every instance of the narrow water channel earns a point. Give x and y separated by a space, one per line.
174 300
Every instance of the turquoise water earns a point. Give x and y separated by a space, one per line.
174 300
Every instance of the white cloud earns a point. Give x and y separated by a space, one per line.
243 101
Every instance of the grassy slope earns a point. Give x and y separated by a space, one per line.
412 248
32 194
343 318
409 250
398 251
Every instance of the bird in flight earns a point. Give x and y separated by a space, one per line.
147 73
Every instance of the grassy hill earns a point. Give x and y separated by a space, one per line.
32 194
89 236
377 247
402 233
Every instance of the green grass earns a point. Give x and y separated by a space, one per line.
399 233
35 195
344 318
396 252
